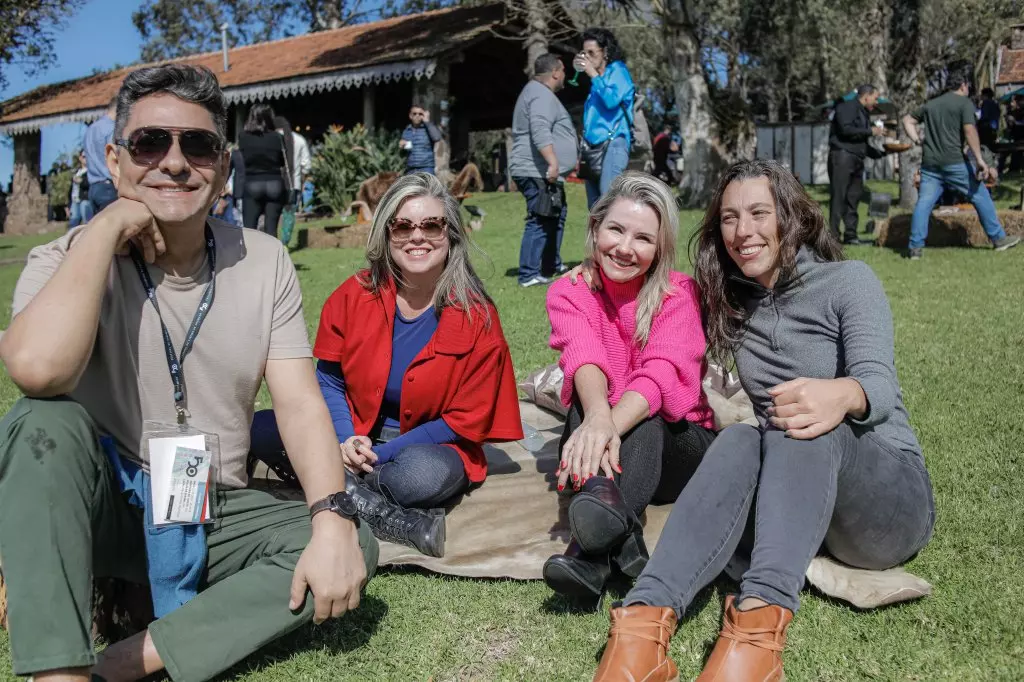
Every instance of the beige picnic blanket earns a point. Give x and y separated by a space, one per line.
510 525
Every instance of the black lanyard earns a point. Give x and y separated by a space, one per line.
174 363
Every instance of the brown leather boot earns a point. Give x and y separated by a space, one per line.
637 648
749 648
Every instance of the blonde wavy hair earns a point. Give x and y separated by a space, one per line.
459 285
649 191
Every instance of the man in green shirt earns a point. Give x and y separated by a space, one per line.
950 123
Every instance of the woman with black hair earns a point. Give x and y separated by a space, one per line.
263 150
608 112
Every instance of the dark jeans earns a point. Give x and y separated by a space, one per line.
657 458
846 178
101 195
266 196
539 253
421 476
869 503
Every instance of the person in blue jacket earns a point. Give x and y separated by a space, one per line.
608 112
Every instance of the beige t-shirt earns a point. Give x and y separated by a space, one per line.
256 315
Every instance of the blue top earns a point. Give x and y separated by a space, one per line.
421 156
604 116
97 136
408 339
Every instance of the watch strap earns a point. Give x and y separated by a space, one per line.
321 505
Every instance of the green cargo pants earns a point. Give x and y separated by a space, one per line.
64 520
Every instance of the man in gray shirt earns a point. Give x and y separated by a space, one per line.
544 149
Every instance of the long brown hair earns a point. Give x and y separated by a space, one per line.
800 223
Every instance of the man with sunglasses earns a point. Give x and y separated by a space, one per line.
419 140
154 314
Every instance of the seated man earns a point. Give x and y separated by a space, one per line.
154 313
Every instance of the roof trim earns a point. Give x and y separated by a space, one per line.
31 125
290 87
333 80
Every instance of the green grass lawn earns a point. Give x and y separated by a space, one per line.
959 341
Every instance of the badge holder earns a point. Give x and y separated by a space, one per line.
183 466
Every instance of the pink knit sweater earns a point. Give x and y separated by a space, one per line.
596 328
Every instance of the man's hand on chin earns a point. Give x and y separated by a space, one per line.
331 567
131 221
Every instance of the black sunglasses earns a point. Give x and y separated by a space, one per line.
148 146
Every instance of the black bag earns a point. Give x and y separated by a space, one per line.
548 203
591 160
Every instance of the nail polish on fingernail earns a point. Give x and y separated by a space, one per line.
561 488
575 477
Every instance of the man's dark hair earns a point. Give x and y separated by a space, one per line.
988 92
605 39
959 75
545 64
866 89
195 84
260 119
416 104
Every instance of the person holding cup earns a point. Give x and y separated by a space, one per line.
419 140
607 114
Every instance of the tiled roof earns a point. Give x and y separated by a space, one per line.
1011 67
401 39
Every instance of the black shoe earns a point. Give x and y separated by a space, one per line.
576 574
603 524
416 528
855 241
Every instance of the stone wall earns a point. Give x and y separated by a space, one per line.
26 206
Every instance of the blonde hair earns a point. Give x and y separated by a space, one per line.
649 191
458 284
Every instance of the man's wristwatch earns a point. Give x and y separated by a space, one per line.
340 503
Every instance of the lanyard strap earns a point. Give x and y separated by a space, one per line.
174 362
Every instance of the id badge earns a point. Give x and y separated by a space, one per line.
183 465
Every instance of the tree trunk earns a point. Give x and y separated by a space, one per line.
705 153
536 32
910 161
877 25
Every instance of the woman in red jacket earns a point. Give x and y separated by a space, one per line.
414 367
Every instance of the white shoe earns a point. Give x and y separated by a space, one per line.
535 280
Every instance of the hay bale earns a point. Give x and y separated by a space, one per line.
955 228
338 237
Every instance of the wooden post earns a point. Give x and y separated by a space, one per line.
369 105
26 207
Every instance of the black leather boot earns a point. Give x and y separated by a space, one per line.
422 530
603 524
576 574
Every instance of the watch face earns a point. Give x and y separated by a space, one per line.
345 505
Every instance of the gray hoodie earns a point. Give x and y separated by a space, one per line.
830 320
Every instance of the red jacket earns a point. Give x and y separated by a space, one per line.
463 375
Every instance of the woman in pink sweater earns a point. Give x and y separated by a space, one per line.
633 359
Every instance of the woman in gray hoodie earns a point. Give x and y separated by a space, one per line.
833 462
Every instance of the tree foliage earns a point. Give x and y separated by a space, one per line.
27 30
174 28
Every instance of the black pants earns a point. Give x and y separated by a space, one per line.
264 195
846 177
657 458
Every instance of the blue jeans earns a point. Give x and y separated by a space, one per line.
101 195
960 177
540 250
423 476
616 158
81 212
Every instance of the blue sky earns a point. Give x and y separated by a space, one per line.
100 35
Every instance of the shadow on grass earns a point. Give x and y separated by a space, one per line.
514 272
348 633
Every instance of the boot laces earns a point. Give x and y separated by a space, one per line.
643 631
763 638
